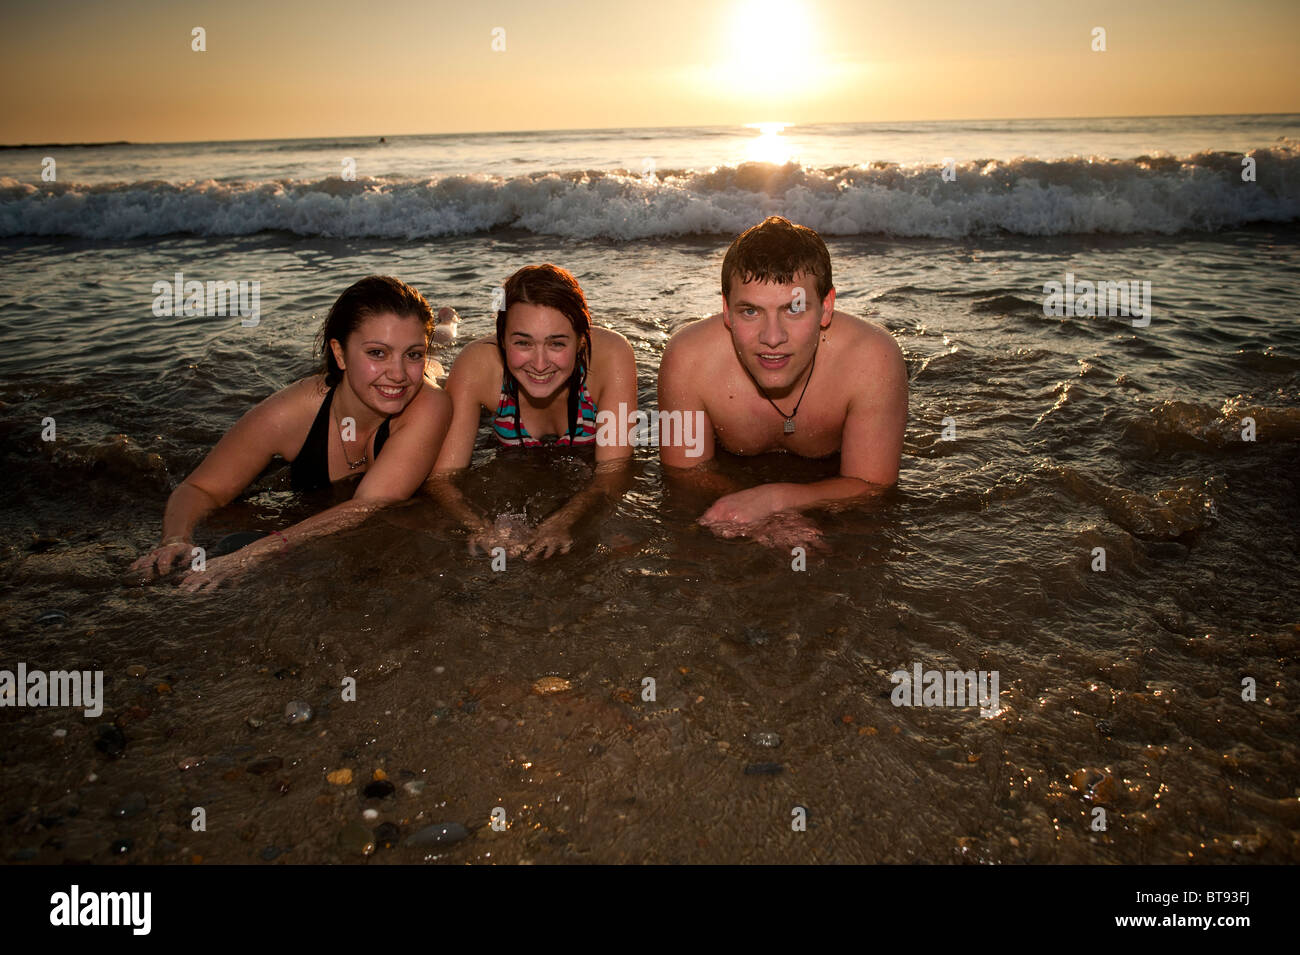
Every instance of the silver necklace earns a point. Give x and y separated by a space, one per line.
352 466
789 418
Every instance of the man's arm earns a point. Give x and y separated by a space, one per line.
679 392
872 445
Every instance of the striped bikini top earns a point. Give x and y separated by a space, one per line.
510 431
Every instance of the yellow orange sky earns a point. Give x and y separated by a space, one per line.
95 71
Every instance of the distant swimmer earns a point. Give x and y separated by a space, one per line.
382 139
444 333
780 370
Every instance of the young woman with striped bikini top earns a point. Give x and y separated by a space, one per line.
544 378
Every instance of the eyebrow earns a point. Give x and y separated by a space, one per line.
564 336
742 303
386 345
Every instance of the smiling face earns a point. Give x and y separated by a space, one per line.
541 349
383 361
775 340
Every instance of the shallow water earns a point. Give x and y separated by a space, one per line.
1119 689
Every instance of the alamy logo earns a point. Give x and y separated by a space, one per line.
1084 299
651 429
75 688
946 688
102 908
210 299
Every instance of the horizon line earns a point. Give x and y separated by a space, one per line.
600 129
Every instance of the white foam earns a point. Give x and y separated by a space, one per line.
1204 192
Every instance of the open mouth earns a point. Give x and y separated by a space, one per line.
390 391
540 379
772 361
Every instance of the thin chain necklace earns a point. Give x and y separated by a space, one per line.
789 418
352 466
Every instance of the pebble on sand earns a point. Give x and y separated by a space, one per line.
765 739
550 684
340 777
355 839
265 765
189 762
438 834
379 789
387 835
297 711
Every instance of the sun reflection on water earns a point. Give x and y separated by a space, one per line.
769 146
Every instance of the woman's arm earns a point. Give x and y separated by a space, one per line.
473 382
413 444
616 360
239 457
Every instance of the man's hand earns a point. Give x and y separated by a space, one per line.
782 530
757 513
745 507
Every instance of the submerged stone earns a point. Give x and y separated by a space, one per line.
439 834
379 789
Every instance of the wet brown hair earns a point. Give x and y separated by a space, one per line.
776 250
556 288
373 295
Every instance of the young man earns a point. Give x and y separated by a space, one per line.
780 370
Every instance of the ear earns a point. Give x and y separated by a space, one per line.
726 313
337 349
828 308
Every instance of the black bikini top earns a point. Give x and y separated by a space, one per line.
310 470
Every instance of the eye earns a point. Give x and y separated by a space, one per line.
376 353
415 355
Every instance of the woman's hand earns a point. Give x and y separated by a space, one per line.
218 570
553 536
160 561
510 532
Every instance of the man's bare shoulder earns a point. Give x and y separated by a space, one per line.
865 340
701 334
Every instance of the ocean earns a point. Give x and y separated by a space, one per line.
1096 503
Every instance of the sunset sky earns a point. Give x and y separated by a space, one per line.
95 71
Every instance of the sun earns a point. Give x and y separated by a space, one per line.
770 48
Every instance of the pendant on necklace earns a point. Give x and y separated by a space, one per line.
789 425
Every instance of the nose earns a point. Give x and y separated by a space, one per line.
772 334
395 368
